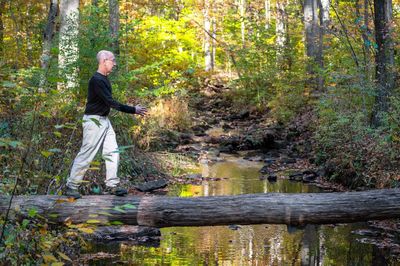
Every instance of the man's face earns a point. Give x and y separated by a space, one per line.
110 63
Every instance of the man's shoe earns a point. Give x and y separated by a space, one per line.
72 193
117 191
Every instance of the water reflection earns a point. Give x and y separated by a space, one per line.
251 244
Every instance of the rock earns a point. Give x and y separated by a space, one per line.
272 178
264 169
309 178
227 149
269 161
288 160
279 144
151 185
193 176
297 176
234 227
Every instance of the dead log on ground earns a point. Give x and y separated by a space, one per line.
270 208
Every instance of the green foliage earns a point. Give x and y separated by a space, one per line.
33 242
355 153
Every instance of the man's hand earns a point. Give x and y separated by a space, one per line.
140 110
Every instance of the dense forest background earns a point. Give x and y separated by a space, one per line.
335 61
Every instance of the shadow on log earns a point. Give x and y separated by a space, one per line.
270 208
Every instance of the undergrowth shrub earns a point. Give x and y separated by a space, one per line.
165 118
355 153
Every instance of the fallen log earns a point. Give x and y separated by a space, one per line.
270 208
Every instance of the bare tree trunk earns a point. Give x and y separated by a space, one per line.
267 5
242 9
363 4
68 44
207 37
2 11
384 59
27 22
281 31
114 25
313 37
48 34
214 42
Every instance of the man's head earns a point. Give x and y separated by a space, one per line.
106 60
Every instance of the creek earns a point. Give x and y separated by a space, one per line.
247 244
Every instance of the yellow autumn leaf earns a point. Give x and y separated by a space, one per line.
65 257
93 221
48 257
86 230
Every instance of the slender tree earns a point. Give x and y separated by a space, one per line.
48 34
281 30
384 59
2 11
114 25
207 37
242 10
313 38
68 43
267 5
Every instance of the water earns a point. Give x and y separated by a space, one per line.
251 244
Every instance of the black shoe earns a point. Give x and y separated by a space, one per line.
72 193
117 191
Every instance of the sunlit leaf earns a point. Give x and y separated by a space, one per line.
46 154
86 230
63 256
48 258
32 212
93 221
128 206
117 208
105 213
116 223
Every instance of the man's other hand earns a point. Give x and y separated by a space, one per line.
140 110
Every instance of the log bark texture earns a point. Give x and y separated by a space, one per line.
271 208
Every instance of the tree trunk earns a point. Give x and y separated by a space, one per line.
267 5
114 25
242 9
281 31
68 44
214 38
384 59
270 208
2 11
207 38
313 40
48 34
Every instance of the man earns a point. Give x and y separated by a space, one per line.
98 131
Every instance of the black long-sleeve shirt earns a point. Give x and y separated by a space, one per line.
100 100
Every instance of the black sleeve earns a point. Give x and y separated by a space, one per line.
101 90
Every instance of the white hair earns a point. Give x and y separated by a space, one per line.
103 54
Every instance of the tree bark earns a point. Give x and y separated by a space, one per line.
68 44
2 11
242 10
207 37
267 5
48 34
270 208
281 31
114 25
384 59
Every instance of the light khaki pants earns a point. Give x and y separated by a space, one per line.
97 132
